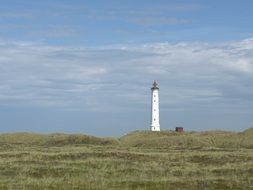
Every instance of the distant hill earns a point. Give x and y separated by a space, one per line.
165 139
57 139
145 139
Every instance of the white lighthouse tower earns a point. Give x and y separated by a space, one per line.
155 126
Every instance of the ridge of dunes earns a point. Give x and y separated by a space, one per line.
218 139
145 139
55 139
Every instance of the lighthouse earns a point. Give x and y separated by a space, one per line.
155 126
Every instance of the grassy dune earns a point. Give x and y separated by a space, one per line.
140 160
165 139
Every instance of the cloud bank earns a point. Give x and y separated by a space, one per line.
118 77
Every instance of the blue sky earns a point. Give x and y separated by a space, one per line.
87 66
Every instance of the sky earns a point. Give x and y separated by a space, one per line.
87 66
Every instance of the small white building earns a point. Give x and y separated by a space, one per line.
155 125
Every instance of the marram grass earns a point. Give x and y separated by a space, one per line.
140 160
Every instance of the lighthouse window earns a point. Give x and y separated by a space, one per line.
154 101
154 119
154 109
154 95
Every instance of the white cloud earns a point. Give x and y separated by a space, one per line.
116 78
245 65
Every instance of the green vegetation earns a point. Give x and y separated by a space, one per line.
140 160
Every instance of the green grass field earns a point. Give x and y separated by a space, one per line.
140 160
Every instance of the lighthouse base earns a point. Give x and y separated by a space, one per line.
155 128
